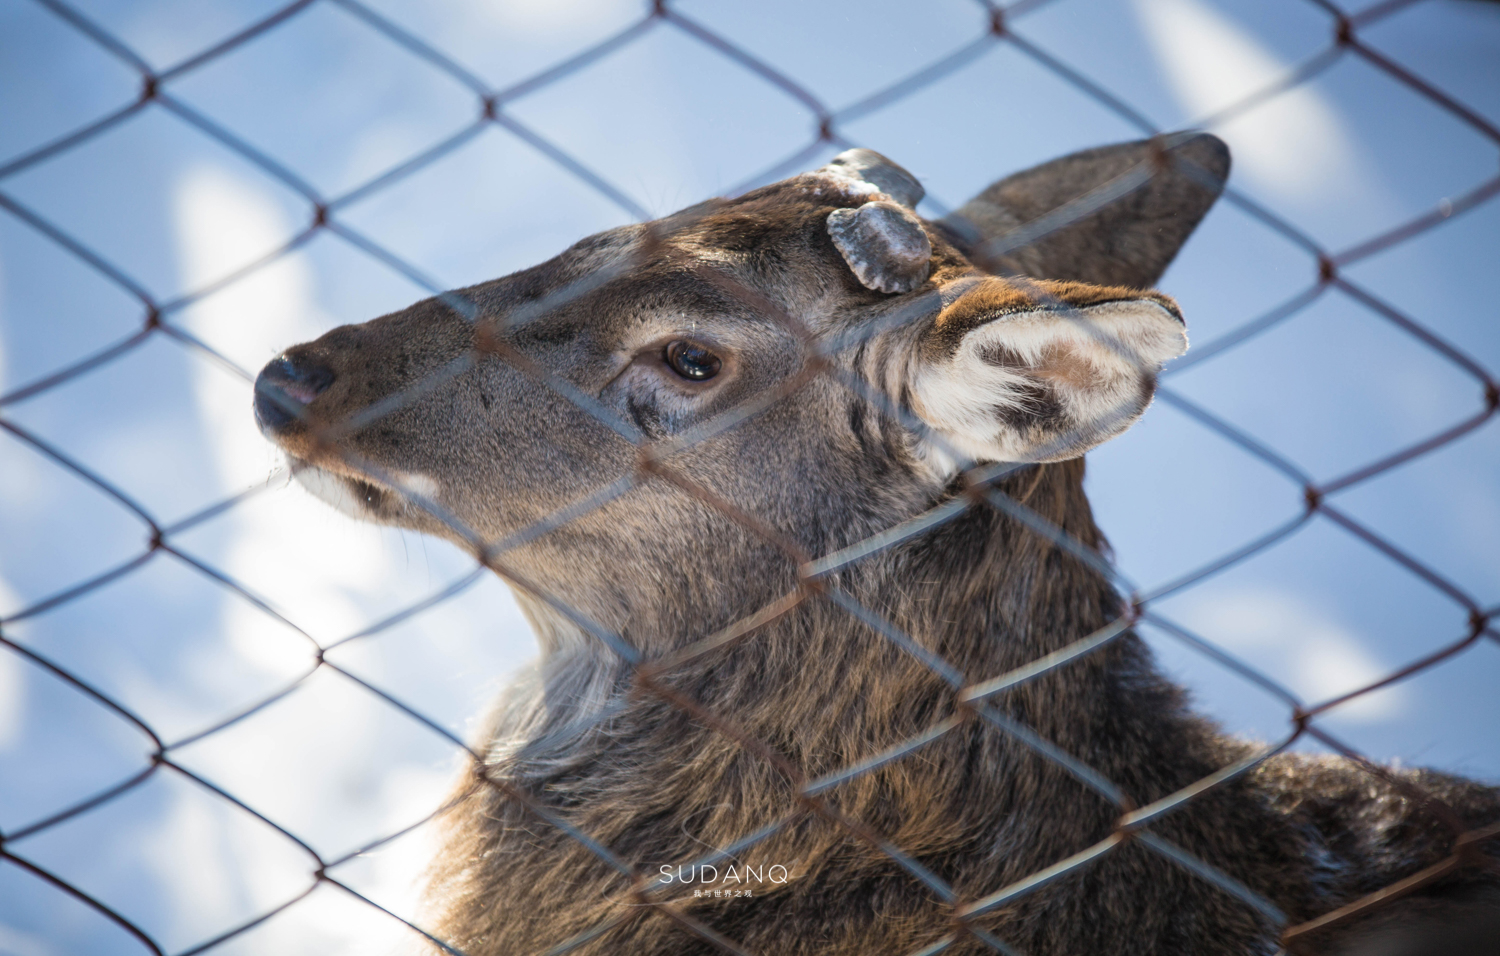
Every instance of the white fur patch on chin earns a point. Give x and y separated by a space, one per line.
330 489
416 483
334 489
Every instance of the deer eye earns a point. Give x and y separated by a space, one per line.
692 361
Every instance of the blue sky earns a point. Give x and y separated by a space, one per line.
666 120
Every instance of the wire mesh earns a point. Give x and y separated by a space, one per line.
816 573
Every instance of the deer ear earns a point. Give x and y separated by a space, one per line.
883 241
883 244
1028 223
1032 370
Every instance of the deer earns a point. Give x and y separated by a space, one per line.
710 453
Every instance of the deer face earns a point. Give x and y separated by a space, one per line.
812 355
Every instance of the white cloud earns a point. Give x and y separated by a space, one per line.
1301 646
222 223
288 551
12 682
555 16
13 942
195 829
12 688
2 327
322 761
1293 144
298 553
21 484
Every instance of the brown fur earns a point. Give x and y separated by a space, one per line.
998 296
714 748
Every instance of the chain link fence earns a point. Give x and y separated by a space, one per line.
1327 269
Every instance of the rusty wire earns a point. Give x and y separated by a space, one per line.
815 572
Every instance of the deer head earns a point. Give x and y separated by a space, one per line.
813 354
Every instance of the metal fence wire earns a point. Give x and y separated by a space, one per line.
159 320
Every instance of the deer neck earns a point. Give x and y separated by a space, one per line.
822 686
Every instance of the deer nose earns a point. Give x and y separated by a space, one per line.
285 386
